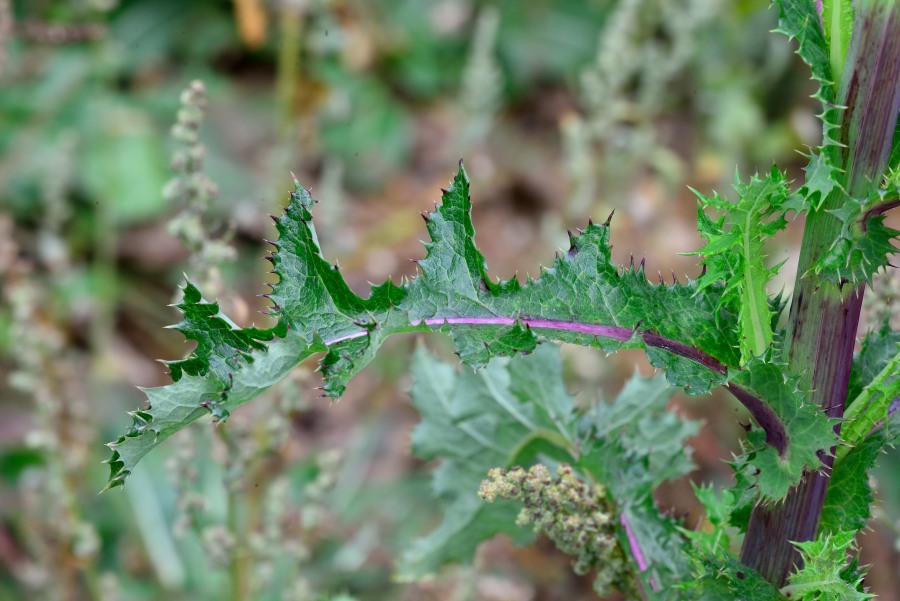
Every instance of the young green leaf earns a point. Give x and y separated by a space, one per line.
870 427
810 432
798 19
849 498
877 349
735 254
865 242
871 406
822 576
717 572
636 446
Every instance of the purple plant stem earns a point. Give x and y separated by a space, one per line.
636 551
765 416
823 318
880 210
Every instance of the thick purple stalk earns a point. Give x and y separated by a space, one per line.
824 316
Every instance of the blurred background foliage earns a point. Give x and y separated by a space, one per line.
561 109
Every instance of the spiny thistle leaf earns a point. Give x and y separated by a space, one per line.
810 432
734 254
849 499
822 577
221 346
870 429
798 20
872 405
877 349
718 573
583 298
821 180
864 244
638 444
723 578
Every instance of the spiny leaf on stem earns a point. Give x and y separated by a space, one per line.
583 298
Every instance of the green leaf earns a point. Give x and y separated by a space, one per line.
809 431
662 546
718 573
724 578
868 431
864 244
799 20
637 445
876 350
822 576
499 416
849 498
515 411
893 165
821 180
583 298
735 254
871 406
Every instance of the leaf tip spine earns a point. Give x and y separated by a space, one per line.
609 219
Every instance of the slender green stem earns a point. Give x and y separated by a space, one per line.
239 568
865 411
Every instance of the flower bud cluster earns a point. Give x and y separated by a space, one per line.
193 191
575 515
190 183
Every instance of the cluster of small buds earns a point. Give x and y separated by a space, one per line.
62 546
575 515
190 185
275 540
219 545
184 476
193 192
315 507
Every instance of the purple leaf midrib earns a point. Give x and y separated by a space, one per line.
762 412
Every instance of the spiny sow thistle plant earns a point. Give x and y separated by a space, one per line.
821 415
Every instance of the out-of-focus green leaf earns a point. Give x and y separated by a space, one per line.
125 163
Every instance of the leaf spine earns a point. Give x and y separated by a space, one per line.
609 219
